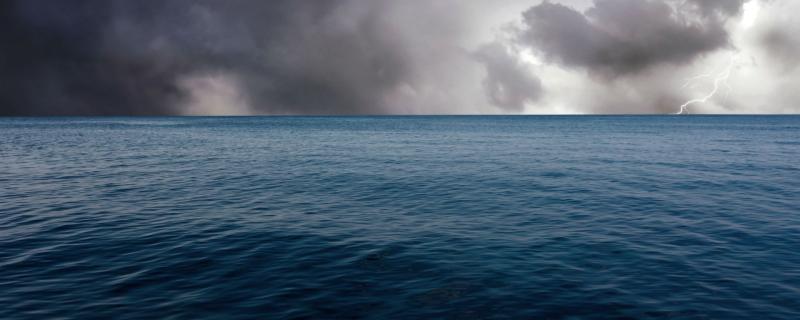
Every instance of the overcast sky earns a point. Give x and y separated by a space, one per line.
241 57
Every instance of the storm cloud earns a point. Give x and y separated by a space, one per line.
508 83
618 37
164 57
208 57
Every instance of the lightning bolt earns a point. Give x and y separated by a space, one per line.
720 79
751 10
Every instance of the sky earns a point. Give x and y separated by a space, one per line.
376 57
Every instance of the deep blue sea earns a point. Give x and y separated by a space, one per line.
400 218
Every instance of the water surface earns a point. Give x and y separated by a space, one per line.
400 218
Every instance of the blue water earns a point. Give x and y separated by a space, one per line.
400 218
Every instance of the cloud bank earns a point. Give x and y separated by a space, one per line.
207 57
619 37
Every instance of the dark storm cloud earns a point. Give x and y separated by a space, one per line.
508 83
134 57
53 61
128 57
619 37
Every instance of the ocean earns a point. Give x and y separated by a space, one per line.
607 217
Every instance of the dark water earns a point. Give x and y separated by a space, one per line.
400 218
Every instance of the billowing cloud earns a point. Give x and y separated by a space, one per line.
122 57
618 37
509 84
288 56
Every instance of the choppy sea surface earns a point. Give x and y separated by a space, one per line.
400 218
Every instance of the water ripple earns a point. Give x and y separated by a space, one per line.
423 217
